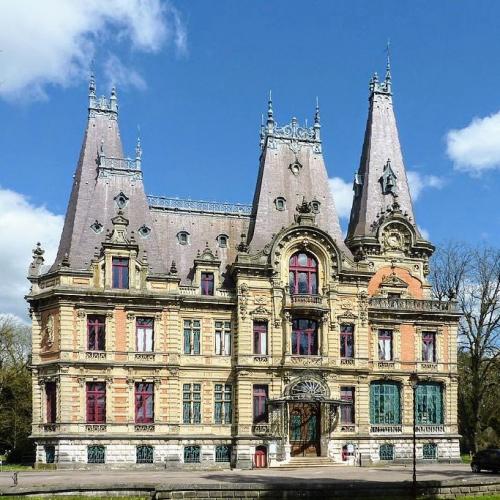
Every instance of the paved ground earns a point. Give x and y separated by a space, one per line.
103 478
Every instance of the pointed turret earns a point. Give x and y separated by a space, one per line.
104 182
291 170
380 185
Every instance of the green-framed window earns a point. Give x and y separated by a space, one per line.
191 403
385 403
223 395
191 454
386 452
96 454
192 332
223 453
429 451
144 454
429 404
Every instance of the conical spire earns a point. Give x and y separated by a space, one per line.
317 122
270 114
380 185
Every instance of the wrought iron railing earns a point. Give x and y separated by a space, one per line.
119 163
430 429
413 304
386 429
306 299
261 429
177 204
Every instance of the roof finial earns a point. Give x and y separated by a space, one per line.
92 79
270 114
317 124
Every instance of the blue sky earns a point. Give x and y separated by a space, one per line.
194 75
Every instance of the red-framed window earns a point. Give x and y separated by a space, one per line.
385 347
429 347
304 337
207 283
303 274
96 333
96 402
144 328
51 398
260 398
347 341
120 272
260 337
347 409
144 402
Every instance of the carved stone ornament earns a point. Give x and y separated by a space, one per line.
393 281
261 311
309 390
49 331
396 238
243 299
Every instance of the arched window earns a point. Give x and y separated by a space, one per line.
303 274
304 337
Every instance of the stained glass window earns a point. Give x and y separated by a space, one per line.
347 410
303 274
429 406
385 403
96 402
347 341
260 396
260 337
386 452
144 402
144 328
385 351
191 403
304 337
223 338
192 336
191 454
223 453
144 454
223 395
120 272
429 347
96 454
96 333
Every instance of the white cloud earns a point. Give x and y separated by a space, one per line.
476 148
22 224
425 234
419 182
52 42
118 74
342 195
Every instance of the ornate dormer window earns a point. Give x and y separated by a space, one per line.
222 240
183 238
295 167
144 231
121 200
120 272
303 274
280 203
97 227
315 204
388 180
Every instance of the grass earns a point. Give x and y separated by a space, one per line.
486 497
15 467
465 458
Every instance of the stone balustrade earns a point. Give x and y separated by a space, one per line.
412 305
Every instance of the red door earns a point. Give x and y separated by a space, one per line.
260 458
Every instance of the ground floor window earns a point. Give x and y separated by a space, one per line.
96 454
347 451
223 453
260 458
430 451
144 454
50 454
386 452
191 454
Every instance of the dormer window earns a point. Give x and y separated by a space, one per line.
121 200
315 204
183 237
144 231
97 227
120 272
207 283
222 240
303 274
280 203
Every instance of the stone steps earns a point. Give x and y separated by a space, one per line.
302 462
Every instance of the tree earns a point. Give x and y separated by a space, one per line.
471 276
15 387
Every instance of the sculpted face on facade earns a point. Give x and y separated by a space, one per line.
180 332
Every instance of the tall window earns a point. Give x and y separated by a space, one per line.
304 337
385 351
223 338
144 402
191 403
429 396
223 394
347 341
191 336
260 397
385 403
303 274
144 334
120 272
347 409
207 283
429 347
260 337
96 333
51 395
96 402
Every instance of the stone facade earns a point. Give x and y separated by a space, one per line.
208 279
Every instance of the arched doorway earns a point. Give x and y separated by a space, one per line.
260 457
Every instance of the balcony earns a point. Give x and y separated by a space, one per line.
386 429
430 429
261 429
306 302
413 305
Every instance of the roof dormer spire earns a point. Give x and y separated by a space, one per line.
270 114
317 121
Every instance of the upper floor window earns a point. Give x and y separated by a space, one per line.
183 237
144 334
207 283
51 395
223 395
385 350
429 403
385 403
192 336
144 402
120 272
222 240
96 333
260 397
260 337
347 341
303 274
347 409
191 404
96 402
304 337
429 347
280 203
223 338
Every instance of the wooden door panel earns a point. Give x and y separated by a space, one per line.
304 429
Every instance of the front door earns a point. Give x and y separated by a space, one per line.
304 429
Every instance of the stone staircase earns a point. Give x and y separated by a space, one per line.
303 462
